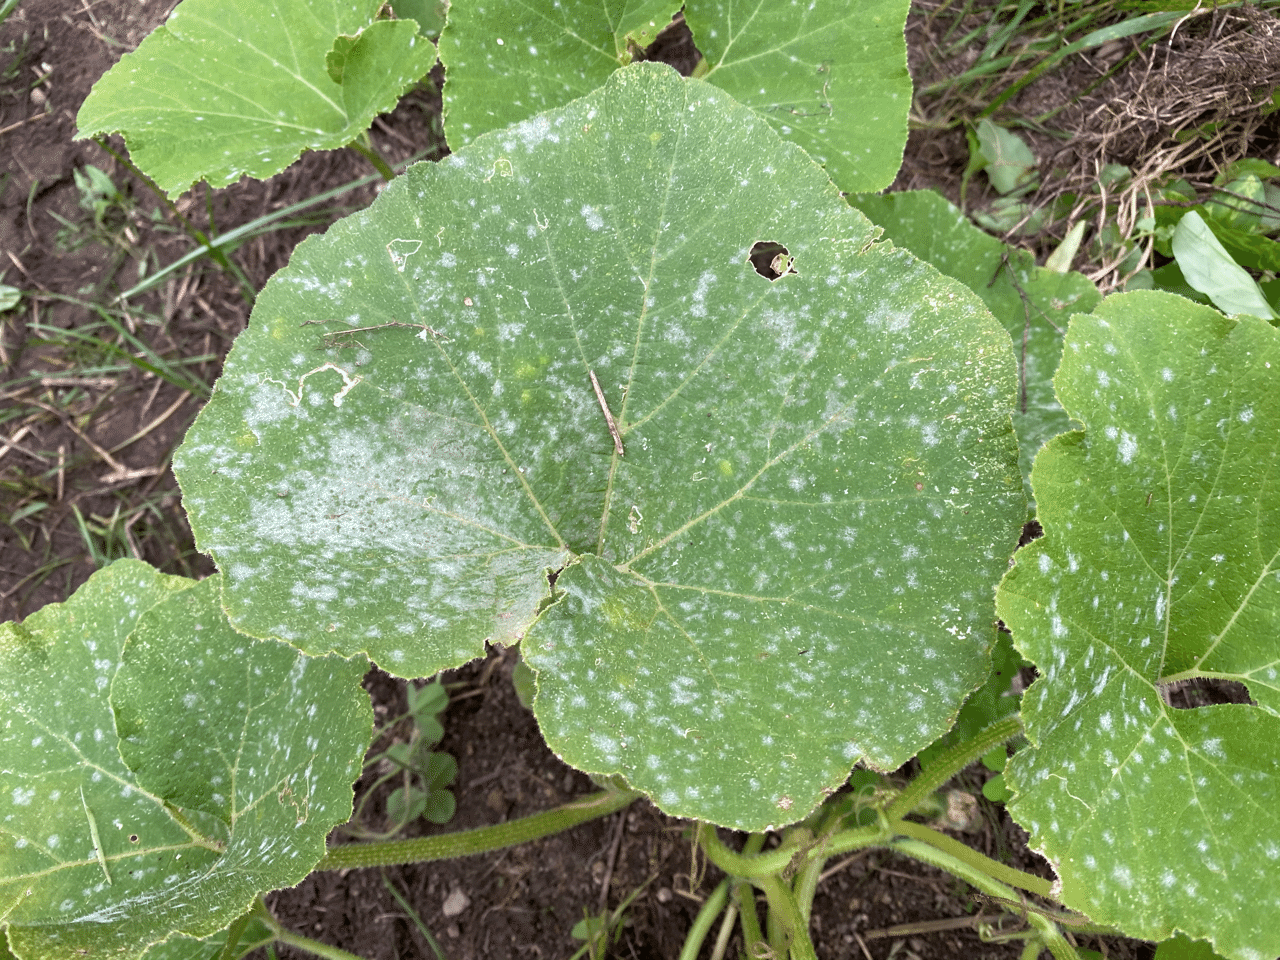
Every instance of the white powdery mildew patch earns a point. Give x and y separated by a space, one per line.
592 216
1127 448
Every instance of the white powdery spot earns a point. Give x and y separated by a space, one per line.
699 306
1128 448
606 746
533 131
592 216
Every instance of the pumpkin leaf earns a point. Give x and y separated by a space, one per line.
119 831
807 478
1160 565
203 98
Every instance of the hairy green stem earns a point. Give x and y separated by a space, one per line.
296 939
951 763
806 884
846 841
464 843
747 864
1048 931
745 894
234 933
314 946
791 925
992 868
703 921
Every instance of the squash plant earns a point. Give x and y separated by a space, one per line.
629 383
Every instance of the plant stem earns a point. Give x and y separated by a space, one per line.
847 841
998 871
783 909
951 763
467 842
363 145
314 946
1049 933
750 865
721 946
234 933
296 939
703 921
806 884
745 894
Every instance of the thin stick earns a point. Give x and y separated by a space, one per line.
613 427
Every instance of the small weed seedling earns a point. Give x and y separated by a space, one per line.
746 529
422 774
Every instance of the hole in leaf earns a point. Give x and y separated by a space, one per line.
771 259
1031 530
553 596
554 575
673 46
1204 692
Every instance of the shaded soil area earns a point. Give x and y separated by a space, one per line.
98 390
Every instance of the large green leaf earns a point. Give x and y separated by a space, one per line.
830 76
234 759
1033 303
789 565
504 63
1160 563
229 88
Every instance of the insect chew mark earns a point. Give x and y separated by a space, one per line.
613 427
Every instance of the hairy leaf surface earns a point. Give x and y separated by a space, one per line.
791 556
1160 563
830 76
234 759
226 89
1033 303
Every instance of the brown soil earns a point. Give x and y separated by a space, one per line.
94 449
